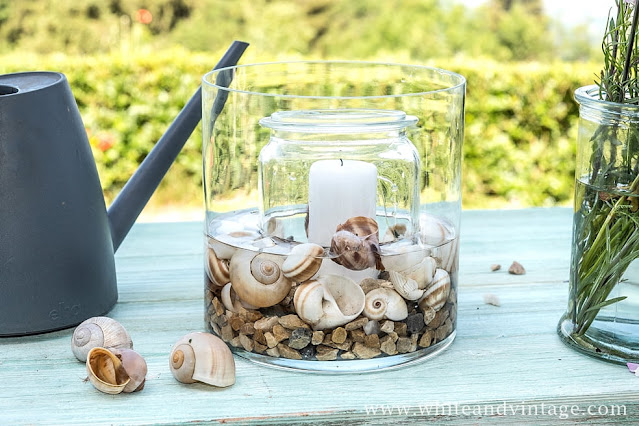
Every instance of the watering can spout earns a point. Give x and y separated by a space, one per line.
138 190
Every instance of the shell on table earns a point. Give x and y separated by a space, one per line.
437 292
258 278
303 261
385 303
202 357
330 301
105 371
95 332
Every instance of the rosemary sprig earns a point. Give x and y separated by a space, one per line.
607 231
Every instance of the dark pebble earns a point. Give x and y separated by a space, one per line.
414 323
308 352
300 337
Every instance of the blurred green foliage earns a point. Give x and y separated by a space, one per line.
133 64
519 146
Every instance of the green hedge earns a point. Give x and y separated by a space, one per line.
519 141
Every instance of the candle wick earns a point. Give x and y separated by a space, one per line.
341 162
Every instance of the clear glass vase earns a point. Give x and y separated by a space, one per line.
602 319
333 203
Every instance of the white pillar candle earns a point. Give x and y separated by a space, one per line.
337 191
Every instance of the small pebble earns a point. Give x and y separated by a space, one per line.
339 335
307 352
403 345
358 335
516 269
415 323
287 352
427 338
274 352
400 328
246 342
280 333
387 326
292 322
388 346
371 327
495 267
300 338
271 341
347 355
491 299
362 351
265 323
372 341
358 323
324 353
429 314
259 348
318 337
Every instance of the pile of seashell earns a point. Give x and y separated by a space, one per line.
286 306
107 349
114 367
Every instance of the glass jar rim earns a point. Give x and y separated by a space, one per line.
338 120
589 96
459 80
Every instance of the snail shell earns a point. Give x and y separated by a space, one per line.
356 244
202 357
447 255
303 262
258 279
96 332
135 367
394 232
106 372
408 288
330 301
231 301
217 269
437 292
433 230
225 244
385 303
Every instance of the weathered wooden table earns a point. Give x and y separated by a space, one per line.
506 364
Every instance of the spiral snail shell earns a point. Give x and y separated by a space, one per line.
202 357
385 303
106 372
96 332
258 279
356 244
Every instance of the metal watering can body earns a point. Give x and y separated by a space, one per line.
57 240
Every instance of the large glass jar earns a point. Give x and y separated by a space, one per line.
333 202
602 319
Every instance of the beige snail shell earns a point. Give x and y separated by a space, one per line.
106 372
217 269
433 230
231 301
202 357
356 244
303 262
96 332
408 288
330 301
225 244
258 279
134 365
385 303
437 292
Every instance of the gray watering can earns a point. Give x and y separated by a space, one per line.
57 240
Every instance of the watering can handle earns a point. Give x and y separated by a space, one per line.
138 190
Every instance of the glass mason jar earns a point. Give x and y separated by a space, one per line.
333 201
602 319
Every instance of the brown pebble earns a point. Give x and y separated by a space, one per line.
413 342
325 353
236 322
220 320
440 317
318 337
362 351
235 342
266 323
354 325
358 335
387 326
444 330
258 336
388 346
287 352
347 355
247 329
226 333
427 338
394 336
429 314
339 335
368 284
292 322
372 341
400 328
246 342
274 352
271 341
516 269
403 345
344 346
495 267
252 316
280 333
259 348
219 307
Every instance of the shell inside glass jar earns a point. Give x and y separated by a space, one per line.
376 292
